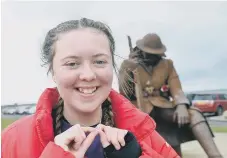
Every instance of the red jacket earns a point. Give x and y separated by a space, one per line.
32 136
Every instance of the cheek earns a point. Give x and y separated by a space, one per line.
106 76
66 79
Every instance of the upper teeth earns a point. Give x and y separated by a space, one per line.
87 90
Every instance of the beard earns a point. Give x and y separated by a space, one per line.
151 59
147 58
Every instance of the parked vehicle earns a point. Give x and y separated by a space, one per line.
23 110
32 110
211 103
19 110
9 111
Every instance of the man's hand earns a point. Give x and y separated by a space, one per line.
181 115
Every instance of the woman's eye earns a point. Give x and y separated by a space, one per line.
100 62
72 64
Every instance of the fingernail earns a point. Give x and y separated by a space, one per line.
98 130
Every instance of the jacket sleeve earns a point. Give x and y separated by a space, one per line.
154 146
53 150
10 147
175 86
8 143
131 149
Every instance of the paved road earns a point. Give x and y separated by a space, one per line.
217 123
194 150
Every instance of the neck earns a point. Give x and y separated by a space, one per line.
84 119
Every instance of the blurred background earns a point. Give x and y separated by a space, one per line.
194 32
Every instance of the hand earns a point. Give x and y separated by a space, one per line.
75 141
110 135
182 115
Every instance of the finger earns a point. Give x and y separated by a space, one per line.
107 130
184 120
187 119
71 133
85 130
179 121
82 132
103 139
79 139
121 137
88 129
77 142
112 135
65 147
89 139
100 126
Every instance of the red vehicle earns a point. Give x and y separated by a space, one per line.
211 103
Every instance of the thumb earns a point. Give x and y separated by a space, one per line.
103 139
87 142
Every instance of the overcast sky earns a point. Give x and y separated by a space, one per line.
195 34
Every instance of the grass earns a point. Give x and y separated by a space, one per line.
219 129
8 121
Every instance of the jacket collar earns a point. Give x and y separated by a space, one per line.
124 114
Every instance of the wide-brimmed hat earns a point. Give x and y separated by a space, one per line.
151 43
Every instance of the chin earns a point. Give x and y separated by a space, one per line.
87 107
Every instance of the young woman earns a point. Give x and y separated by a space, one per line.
83 116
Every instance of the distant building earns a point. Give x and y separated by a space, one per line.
215 91
17 105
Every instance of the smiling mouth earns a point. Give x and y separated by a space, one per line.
87 90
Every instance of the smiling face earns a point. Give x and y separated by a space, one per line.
82 69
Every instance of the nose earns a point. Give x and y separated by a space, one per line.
87 73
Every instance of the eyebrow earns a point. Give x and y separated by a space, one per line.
100 54
71 57
77 57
